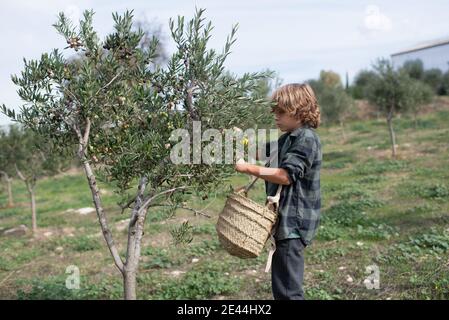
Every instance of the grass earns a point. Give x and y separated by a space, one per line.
376 211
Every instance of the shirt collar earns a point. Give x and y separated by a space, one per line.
295 132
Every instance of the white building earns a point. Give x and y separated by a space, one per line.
433 54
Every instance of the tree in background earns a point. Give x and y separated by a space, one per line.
330 79
362 83
6 170
434 78
32 159
445 84
393 91
332 97
414 68
419 93
120 110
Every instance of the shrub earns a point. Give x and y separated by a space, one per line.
434 243
350 213
54 288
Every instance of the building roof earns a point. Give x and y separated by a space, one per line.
424 45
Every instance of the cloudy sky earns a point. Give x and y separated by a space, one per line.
295 38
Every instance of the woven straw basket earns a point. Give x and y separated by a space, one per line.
244 225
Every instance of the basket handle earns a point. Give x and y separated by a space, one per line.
274 200
245 189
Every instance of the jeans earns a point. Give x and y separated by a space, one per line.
287 270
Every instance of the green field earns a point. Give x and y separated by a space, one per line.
391 213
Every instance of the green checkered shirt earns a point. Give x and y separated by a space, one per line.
299 153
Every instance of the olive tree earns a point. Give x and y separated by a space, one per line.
414 68
362 83
419 93
31 159
334 102
6 170
120 110
393 91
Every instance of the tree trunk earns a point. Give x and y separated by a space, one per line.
392 135
135 233
33 212
343 130
30 183
131 265
129 284
9 187
8 181
33 208
107 234
416 120
101 215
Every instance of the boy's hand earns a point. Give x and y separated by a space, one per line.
241 166
273 175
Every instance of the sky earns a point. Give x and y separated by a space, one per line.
297 39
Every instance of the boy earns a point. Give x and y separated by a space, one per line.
299 152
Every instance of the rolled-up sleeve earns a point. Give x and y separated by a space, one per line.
299 157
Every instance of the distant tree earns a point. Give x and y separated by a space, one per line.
414 68
393 91
419 93
333 100
445 84
347 82
32 159
6 170
434 78
330 79
362 83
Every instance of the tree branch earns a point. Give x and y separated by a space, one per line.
138 200
127 205
105 86
19 173
86 132
4 174
199 212
101 215
135 232
151 198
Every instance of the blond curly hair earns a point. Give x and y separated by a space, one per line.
299 101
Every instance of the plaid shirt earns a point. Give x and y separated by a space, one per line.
300 155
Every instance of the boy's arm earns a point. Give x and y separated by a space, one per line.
298 158
273 175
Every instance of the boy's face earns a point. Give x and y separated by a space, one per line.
285 122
